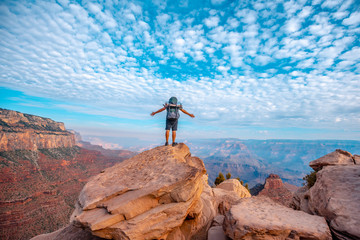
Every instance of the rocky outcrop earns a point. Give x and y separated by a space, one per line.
275 189
235 186
338 157
335 194
20 131
148 196
262 218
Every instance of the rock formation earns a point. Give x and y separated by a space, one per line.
157 191
20 131
275 189
235 186
338 157
335 194
262 218
39 186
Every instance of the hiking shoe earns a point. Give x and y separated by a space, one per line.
174 144
166 143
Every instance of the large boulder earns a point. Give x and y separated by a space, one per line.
338 157
336 196
235 186
149 196
262 218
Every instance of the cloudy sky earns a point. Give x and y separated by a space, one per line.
246 69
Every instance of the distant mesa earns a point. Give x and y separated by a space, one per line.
19 131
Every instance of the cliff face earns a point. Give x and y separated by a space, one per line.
41 174
20 131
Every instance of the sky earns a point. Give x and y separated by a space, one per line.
245 69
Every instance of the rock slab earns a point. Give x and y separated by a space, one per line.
148 196
262 218
338 157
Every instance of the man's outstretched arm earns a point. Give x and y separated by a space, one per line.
160 110
184 111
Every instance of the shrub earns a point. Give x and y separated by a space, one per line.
310 179
228 175
219 179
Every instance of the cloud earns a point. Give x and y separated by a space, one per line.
212 21
234 63
353 19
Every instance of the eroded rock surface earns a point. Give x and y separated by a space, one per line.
262 218
275 189
335 194
145 197
338 157
235 186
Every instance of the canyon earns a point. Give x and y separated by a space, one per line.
42 171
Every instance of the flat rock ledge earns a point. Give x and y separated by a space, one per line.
144 197
262 218
338 157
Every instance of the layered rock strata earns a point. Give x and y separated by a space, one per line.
20 131
275 189
335 194
148 196
262 218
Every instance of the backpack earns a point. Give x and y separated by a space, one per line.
172 109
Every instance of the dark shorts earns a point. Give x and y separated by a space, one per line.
171 124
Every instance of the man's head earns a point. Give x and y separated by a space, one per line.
173 100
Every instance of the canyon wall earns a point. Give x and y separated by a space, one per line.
19 131
41 173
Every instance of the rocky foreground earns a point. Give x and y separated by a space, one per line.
335 194
163 194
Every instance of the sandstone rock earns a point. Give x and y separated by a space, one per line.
235 186
338 157
69 232
262 218
275 189
336 196
216 233
146 197
300 200
357 159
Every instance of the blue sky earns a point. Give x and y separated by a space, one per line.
246 69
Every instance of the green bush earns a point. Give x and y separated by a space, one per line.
219 179
310 179
228 175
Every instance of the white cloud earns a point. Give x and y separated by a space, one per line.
354 19
293 25
114 58
330 3
212 21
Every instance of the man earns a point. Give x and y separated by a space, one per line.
172 117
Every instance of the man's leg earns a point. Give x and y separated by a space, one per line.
167 133
173 136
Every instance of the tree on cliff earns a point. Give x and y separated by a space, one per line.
219 179
228 175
